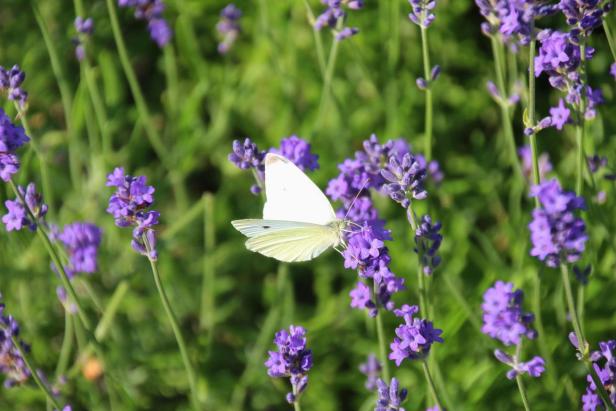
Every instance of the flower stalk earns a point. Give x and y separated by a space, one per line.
174 324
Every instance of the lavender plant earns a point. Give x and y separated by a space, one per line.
129 206
292 360
228 27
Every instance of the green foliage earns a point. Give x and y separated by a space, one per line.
230 301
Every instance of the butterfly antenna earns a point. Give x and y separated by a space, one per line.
355 199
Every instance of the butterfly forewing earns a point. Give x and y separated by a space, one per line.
292 196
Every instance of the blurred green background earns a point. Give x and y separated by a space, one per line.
231 301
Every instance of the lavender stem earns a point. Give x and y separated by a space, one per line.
34 374
428 91
505 115
608 35
518 379
430 381
531 111
174 325
382 343
317 39
582 344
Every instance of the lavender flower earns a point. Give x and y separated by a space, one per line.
414 338
372 370
535 367
129 207
503 318
81 241
545 166
18 216
606 373
405 179
11 138
366 251
512 20
613 70
422 14
557 235
390 397
298 151
560 58
12 364
85 28
152 12
427 242
560 115
596 163
334 16
247 156
583 15
228 27
292 360
10 82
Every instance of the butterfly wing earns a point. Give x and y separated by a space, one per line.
292 196
287 241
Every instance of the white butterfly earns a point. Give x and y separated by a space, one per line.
298 221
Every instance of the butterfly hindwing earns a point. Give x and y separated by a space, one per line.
287 240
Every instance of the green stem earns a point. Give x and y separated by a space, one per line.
56 261
423 299
47 191
174 325
382 344
579 140
65 96
582 344
580 127
162 151
317 39
505 115
329 75
431 386
608 35
67 344
35 376
518 379
531 114
428 91
207 315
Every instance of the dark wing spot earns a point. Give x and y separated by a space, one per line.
267 226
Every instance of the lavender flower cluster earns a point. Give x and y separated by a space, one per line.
10 82
85 28
12 137
390 397
606 373
81 241
129 207
504 320
247 156
334 16
389 169
292 360
421 13
29 214
557 235
228 27
152 12
513 20
12 364
414 337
